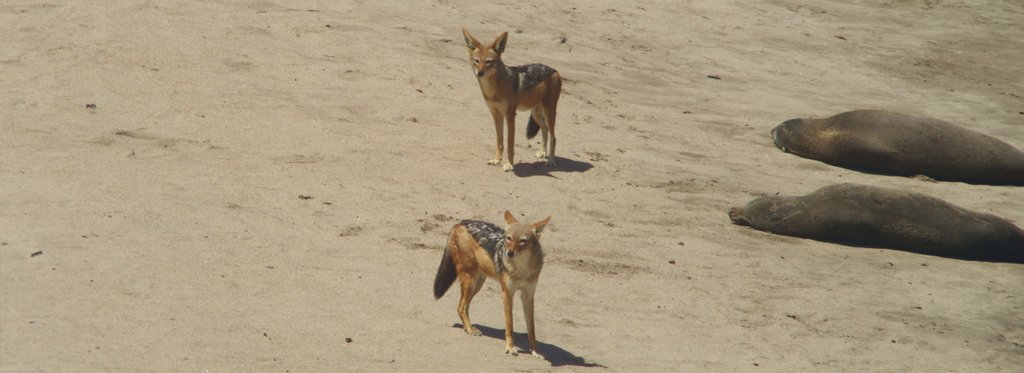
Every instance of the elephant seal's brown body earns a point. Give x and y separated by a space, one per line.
870 216
899 144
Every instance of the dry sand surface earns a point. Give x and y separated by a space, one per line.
267 185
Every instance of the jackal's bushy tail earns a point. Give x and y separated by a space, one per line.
532 128
445 274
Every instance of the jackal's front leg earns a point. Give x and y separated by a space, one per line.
498 147
527 300
506 300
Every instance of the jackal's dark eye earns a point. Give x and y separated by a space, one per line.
476 60
508 238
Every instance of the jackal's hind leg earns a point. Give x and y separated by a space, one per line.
538 117
470 286
549 129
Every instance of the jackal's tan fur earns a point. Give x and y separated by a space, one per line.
477 250
506 89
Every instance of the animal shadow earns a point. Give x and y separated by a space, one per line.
540 168
555 355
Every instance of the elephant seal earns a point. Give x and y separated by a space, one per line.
899 144
861 215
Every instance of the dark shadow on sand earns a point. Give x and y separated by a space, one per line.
541 168
553 354
1016 257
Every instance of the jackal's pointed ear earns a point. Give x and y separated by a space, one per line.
471 42
539 226
509 218
499 43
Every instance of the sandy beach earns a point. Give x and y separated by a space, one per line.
249 186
